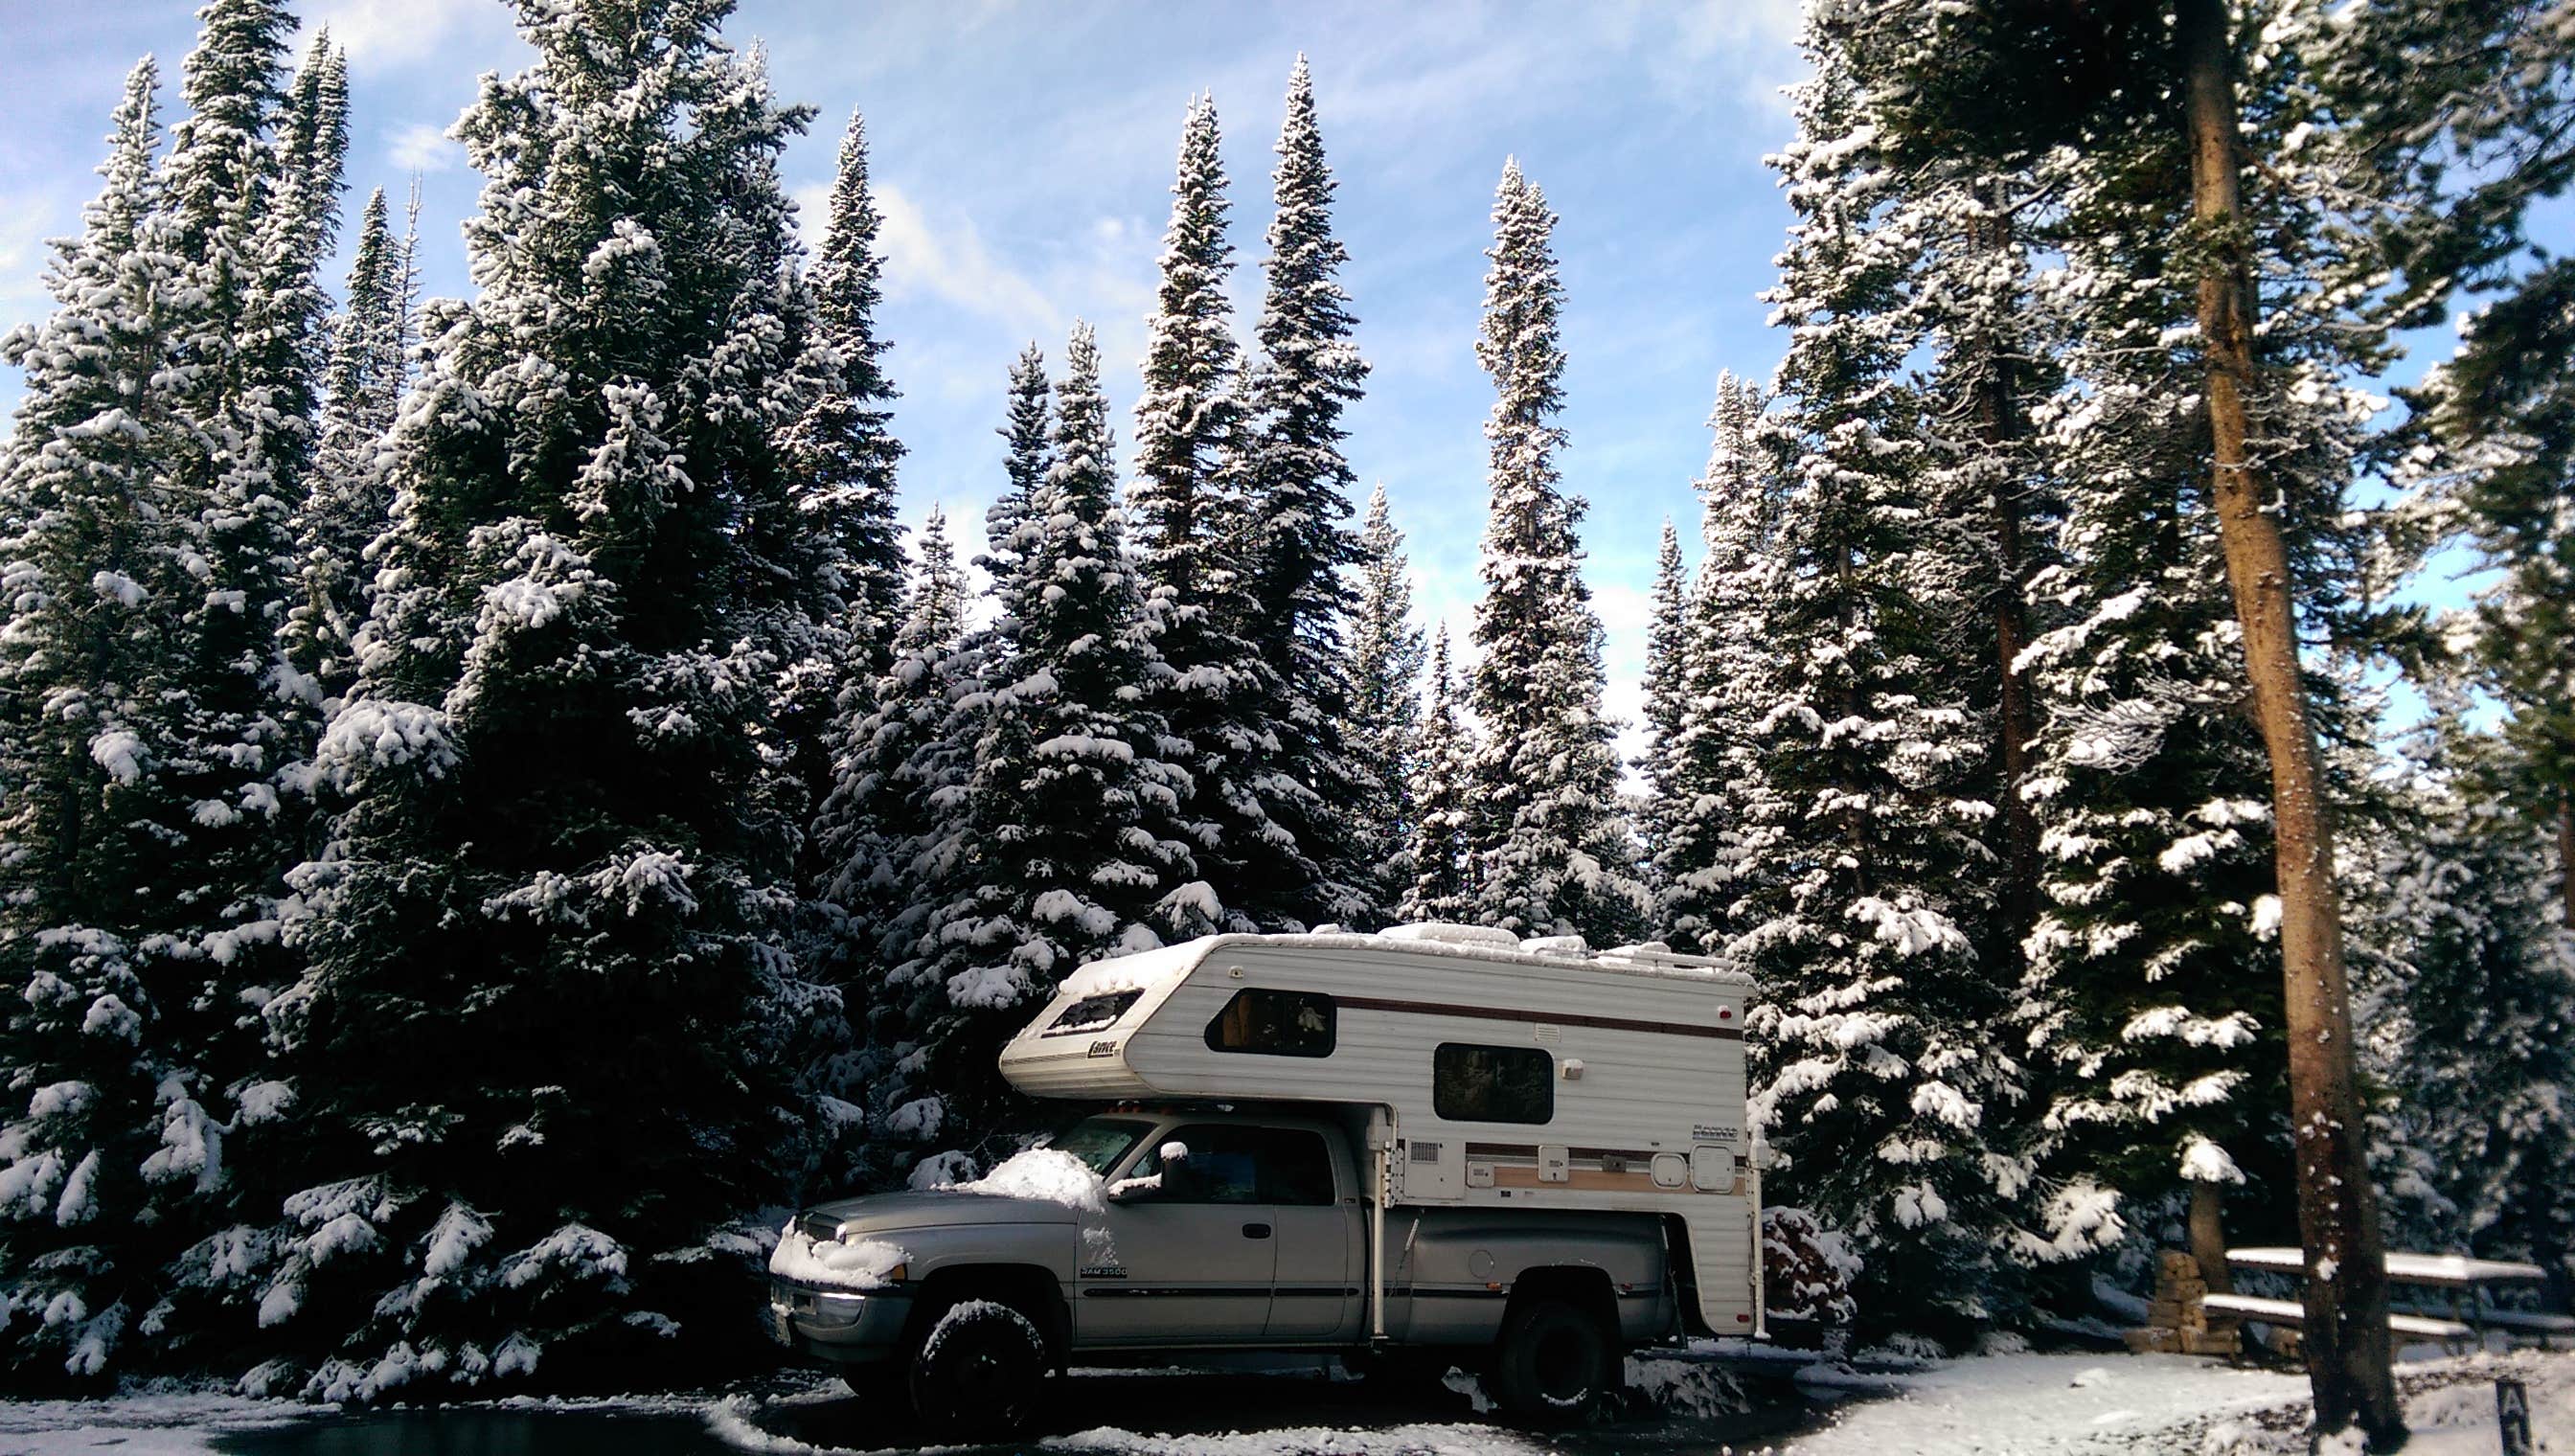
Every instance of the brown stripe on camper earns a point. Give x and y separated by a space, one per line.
1577 1154
1549 1018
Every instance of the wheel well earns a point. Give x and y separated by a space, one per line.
1025 1287
1583 1287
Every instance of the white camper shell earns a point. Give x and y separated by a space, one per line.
1492 1072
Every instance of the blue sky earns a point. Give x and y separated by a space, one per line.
1023 155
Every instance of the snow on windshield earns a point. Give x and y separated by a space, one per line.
1048 1174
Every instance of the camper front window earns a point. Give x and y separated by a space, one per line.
1277 1024
1092 1013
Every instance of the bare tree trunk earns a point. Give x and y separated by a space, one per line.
2346 1288
2208 1235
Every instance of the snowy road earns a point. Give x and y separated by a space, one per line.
2014 1405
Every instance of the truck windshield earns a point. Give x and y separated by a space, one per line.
1098 1141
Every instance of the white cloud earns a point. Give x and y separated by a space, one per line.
947 260
423 148
382 34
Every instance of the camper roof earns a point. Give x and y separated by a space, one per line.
1152 969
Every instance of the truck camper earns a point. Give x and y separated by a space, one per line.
1433 1144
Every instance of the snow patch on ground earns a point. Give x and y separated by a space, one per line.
2034 1405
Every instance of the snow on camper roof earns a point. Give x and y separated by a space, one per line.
1150 968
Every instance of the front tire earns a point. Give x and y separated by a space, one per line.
976 1372
1554 1365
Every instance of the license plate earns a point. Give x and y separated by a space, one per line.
781 1328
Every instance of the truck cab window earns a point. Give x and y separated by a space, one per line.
1492 1083
1276 1023
1098 1141
1231 1163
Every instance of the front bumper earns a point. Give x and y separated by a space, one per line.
839 1326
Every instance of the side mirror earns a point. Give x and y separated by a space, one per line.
1172 1152
1128 1190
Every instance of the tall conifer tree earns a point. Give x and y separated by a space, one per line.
97 1017
1298 482
556 845
1444 817
1384 715
1551 848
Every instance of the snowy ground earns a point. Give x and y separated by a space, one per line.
2007 1405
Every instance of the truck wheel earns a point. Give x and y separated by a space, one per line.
976 1372
1554 1363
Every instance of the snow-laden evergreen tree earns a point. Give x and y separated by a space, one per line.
534 1038
1442 849
836 538
1384 726
1877 1076
2476 1040
1552 849
2503 412
95 1027
1193 503
1724 657
1667 676
1060 857
347 506
895 809
2151 999
887 803
1298 486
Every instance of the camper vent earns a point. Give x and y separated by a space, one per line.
1426 1153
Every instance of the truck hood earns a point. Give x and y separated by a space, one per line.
885 1212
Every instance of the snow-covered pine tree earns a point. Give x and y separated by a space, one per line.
544 971
93 565
347 507
1060 859
835 538
1190 501
1442 851
1876 1072
1298 486
2151 999
2504 408
1552 848
1698 861
1667 676
1384 725
895 809
2480 1047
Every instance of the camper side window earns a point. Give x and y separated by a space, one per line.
1492 1083
1276 1023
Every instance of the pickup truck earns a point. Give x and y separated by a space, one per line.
1156 1234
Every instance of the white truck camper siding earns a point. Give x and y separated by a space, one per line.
1659 1096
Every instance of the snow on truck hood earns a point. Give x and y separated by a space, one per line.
939 1207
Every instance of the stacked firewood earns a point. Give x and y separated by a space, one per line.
2178 1322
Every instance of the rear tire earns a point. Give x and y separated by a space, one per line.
1554 1365
978 1372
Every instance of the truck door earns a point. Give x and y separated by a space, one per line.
1316 1230
1189 1259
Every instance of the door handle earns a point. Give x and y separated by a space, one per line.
1255 1230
